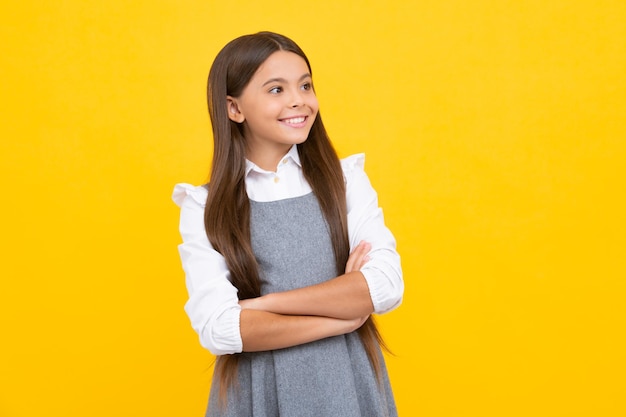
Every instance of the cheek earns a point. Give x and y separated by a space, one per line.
313 104
271 109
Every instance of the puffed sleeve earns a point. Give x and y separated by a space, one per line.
383 271
213 307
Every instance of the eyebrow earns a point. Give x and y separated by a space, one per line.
282 80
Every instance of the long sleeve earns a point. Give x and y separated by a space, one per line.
213 307
383 272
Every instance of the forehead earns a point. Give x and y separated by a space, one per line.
281 64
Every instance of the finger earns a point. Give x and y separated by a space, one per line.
356 257
362 258
352 259
365 260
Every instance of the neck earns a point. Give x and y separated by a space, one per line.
267 158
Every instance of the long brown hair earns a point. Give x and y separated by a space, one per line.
227 212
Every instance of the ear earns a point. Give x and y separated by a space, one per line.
234 113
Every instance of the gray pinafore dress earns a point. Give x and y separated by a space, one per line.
326 378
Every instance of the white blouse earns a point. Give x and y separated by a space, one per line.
213 304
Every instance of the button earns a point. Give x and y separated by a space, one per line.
285 161
276 179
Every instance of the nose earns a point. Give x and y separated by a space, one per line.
296 98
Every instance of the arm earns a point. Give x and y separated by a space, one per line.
262 330
344 297
373 278
383 272
213 307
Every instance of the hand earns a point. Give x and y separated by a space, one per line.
356 324
358 257
345 326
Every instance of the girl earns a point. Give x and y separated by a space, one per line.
285 252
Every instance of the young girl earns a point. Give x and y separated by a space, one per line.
285 252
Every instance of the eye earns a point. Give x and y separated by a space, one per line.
275 90
307 86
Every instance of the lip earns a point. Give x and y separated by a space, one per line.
294 121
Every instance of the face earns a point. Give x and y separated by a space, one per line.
277 107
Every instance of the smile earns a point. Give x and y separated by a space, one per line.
294 120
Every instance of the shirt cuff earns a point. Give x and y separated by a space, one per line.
386 288
222 335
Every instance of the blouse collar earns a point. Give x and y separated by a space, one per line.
292 156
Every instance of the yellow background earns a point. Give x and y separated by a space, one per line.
495 135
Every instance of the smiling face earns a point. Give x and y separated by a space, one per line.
277 108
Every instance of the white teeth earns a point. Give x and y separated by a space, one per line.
295 120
